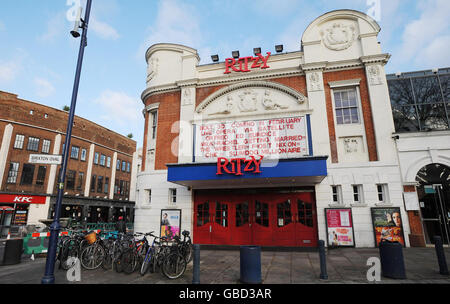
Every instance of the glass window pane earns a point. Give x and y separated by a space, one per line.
432 117
405 118
400 91
337 99
427 89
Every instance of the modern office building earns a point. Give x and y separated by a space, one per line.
99 183
421 109
273 148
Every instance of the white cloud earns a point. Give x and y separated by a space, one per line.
103 30
56 26
424 37
9 70
176 22
120 108
44 88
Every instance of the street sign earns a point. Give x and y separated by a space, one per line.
45 159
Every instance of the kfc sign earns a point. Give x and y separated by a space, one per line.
246 63
236 167
22 199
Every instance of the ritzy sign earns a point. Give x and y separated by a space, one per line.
245 64
236 167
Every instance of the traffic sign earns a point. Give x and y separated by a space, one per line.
45 159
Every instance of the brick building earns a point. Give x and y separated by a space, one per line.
277 149
99 182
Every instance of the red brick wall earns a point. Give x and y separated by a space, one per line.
366 110
168 114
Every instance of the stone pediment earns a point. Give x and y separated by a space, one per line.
252 98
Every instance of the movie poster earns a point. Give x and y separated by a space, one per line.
387 225
339 227
170 223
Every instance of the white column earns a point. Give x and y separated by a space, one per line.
39 212
113 176
89 170
134 173
185 128
4 149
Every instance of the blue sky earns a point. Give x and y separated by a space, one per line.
38 56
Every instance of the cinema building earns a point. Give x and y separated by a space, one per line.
100 178
273 148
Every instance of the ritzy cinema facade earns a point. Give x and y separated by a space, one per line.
278 149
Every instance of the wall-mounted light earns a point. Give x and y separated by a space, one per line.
215 58
235 54
256 51
279 48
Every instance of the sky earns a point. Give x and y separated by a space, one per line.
38 55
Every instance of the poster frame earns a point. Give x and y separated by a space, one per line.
373 223
353 229
171 210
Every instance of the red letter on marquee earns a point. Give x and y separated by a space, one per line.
245 61
223 166
264 60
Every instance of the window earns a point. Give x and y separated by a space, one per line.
100 184
41 175
46 146
284 216
337 194
13 173
83 154
108 162
33 144
121 188
93 182
70 180
382 192
18 143
346 104
102 160
124 166
27 174
118 165
80 180
106 185
116 187
128 167
96 158
172 196
149 195
358 194
154 123
74 153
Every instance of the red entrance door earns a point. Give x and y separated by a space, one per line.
262 221
305 220
202 221
220 227
284 228
241 222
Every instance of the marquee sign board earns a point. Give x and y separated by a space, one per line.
272 139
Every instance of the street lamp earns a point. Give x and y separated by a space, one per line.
49 277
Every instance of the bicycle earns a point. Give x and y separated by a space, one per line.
93 255
174 263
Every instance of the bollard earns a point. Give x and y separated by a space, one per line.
250 265
323 261
196 270
443 269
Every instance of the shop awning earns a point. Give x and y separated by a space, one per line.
4 208
283 173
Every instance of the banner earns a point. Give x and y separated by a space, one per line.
339 227
273 138
387 225
170 223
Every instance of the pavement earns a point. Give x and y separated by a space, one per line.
344 266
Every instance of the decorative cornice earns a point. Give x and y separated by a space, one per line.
265 84
315 66
381 58
344 83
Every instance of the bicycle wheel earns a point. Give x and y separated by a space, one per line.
92 257
128 261
188 252
174 266
145 264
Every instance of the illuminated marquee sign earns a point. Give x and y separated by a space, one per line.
234 166
244 63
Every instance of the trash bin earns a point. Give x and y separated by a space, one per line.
13 252
250 257
391 258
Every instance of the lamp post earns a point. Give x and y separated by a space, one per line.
49 277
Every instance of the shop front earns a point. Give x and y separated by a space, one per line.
14 211
254 209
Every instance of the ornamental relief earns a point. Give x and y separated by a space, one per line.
374 72
253 101
338 36
153 69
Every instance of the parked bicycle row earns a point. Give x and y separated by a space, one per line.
127 253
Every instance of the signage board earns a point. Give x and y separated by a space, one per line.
170 223
281 138
45 159
22 199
